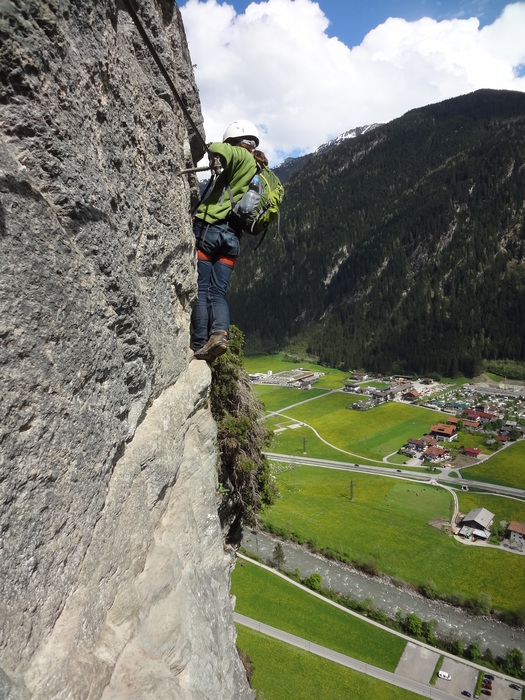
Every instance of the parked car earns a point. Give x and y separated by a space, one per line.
484 691
466 693
515 686
489 676
445 675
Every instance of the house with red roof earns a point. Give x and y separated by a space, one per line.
411 395
472 452
482 416
436 454
472 423
516 532
444 432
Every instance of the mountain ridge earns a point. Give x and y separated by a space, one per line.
349 134
291 165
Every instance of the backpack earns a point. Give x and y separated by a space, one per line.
259 205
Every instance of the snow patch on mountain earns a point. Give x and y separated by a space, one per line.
350 134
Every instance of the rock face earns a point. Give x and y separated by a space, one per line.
114 582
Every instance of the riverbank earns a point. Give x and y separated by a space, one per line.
384 595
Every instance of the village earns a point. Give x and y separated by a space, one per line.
474 407
474 413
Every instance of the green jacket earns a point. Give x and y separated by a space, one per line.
239 168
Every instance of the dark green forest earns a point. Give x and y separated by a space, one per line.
401 249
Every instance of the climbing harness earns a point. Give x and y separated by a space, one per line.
145 38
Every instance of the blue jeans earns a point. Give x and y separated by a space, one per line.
217 251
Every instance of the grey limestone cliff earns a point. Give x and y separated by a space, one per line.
114 582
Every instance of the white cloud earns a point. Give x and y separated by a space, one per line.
276 66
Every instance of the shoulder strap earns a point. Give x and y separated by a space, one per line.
228 189
206 193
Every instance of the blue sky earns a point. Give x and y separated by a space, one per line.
350 21
305 71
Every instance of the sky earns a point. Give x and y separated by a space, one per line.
305 72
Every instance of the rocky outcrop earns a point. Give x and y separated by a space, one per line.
114 582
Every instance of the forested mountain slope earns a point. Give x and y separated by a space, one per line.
402 248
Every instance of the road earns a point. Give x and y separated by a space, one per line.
422 689
404 473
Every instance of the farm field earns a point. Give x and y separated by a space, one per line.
388 523
300 440
275 398
506 467
371 434
284 672
275 601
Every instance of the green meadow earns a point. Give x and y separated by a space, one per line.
275 601
388 523
275 398
284 672
300 440
506 467
371 434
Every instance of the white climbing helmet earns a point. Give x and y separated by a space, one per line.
241 129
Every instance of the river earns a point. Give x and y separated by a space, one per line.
449 620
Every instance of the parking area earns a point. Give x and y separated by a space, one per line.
463 677
501 690
418 664
498 688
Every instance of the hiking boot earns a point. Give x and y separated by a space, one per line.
216 346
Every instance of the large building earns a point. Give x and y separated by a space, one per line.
476 523
444 432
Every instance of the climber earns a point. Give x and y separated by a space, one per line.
218 239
